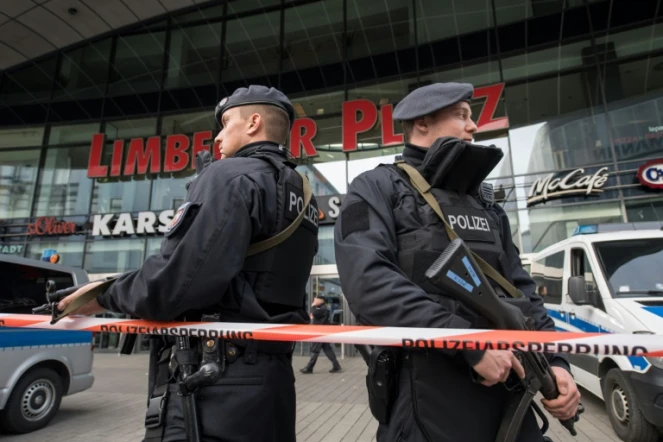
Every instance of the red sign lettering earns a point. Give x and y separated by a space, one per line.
50 226
353 126
358 116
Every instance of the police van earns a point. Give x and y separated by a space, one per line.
38 367
609 278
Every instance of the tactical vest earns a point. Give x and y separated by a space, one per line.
276 273
469 218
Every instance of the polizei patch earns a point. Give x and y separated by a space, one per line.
470 224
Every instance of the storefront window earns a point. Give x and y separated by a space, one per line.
64 188
77 133
21 136
70 252
645 209
544 226
138 64
252 48
168 193
326 254
18 175
113 256
138 128
194 56
83 72
547 60
238 6
190 123
153 246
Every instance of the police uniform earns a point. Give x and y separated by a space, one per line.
202 269
387 236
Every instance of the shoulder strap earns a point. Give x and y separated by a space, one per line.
420 183
277 239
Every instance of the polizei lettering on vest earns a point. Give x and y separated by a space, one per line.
549 187
467 222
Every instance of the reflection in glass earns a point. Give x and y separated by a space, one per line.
252 47
64 188
18 174
326 254
313 35
29 84
168 193
545 226
189 123
113 256
138 64
138 128
378 26
83 72
21 136
194 56
153 246
70 252
441 19
77 133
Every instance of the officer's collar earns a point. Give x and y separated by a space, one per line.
262 147
453 164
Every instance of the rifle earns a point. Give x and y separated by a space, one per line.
456 273
53 297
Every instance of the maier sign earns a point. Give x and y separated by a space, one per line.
358 116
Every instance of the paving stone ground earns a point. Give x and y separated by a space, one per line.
330 407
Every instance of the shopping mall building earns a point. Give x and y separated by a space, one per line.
102 111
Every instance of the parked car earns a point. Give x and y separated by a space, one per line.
38 366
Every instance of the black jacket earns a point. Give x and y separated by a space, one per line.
320 314
230 204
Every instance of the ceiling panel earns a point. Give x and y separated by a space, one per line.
30 28
9 57
145 9
52 28
113 12
85 21
23 40
173 5
13 8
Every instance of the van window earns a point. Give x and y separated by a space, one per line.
23 288
580 266
632 267
548 274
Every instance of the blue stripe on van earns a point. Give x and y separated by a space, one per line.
21 337
658 311
638 362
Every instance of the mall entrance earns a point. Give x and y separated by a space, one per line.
324 281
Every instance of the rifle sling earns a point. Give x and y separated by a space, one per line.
422 186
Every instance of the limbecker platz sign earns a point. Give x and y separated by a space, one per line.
145 156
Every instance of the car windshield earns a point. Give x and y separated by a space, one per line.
632 267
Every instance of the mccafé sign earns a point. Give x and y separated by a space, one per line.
145 156
572 184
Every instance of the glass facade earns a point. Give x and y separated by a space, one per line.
102 135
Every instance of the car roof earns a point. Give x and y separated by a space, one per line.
80 275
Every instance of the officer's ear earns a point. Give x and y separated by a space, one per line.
255 123
421 124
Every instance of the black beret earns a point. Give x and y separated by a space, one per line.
428 99
255 94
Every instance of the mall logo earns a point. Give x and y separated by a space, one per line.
358 116
650 174
49 225
549 187
125 225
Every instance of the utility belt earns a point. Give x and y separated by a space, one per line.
209 357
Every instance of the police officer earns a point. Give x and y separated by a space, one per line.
320 316
387 236
206 266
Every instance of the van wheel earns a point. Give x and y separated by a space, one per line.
33 402
625 415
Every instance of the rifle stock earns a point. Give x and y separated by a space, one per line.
458 275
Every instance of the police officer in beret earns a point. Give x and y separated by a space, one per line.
387 236
219 262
